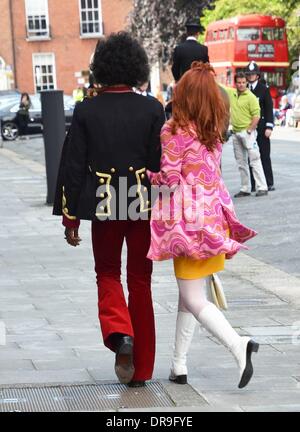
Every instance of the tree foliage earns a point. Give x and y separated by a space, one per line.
161 24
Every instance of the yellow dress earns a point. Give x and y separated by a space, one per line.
188 268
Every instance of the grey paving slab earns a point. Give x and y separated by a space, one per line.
272 408
16 353
250 398
19 377
16 365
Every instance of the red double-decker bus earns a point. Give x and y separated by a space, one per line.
232 43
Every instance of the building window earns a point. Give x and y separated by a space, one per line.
37 19
44 71
90 18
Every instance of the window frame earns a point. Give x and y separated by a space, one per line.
30 33
34 64
100 20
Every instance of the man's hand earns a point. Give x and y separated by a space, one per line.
72 237
268 133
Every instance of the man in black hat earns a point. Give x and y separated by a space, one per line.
189 51
266 122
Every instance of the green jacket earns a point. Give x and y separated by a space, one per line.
243 107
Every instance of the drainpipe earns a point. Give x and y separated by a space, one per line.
13 42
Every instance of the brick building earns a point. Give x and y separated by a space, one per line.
47 44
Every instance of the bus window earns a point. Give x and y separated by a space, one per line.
215 35
245 33
278 33
231 33
225 34
273 78
272 33
267 34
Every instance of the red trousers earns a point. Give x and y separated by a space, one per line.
136 319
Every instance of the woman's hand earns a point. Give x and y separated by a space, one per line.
72 237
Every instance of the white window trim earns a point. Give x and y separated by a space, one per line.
37 38
92 35
54 69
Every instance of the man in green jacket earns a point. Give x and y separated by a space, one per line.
245 115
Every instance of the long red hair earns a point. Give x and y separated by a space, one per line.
197 101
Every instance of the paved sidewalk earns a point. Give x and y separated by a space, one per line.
49 306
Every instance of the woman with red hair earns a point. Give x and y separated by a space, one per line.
194 222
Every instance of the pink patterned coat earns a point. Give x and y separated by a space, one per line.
186 165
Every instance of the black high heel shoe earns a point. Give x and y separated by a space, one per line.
248 371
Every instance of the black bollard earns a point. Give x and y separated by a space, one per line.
54 132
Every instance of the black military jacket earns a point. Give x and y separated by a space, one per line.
113 139
184 55
262 92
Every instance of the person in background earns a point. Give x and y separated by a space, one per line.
113 139
78 95
144 90
245 115
265 124
170 90
22 117
197 226
188 51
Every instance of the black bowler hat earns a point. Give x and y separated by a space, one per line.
191 25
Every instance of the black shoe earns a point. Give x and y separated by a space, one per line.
261 193
124 358
178 379
248 371
242 194
271 188
136 384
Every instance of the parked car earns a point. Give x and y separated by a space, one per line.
9 109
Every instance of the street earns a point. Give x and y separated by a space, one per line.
49 307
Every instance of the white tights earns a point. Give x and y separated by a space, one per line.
193 299
192 295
